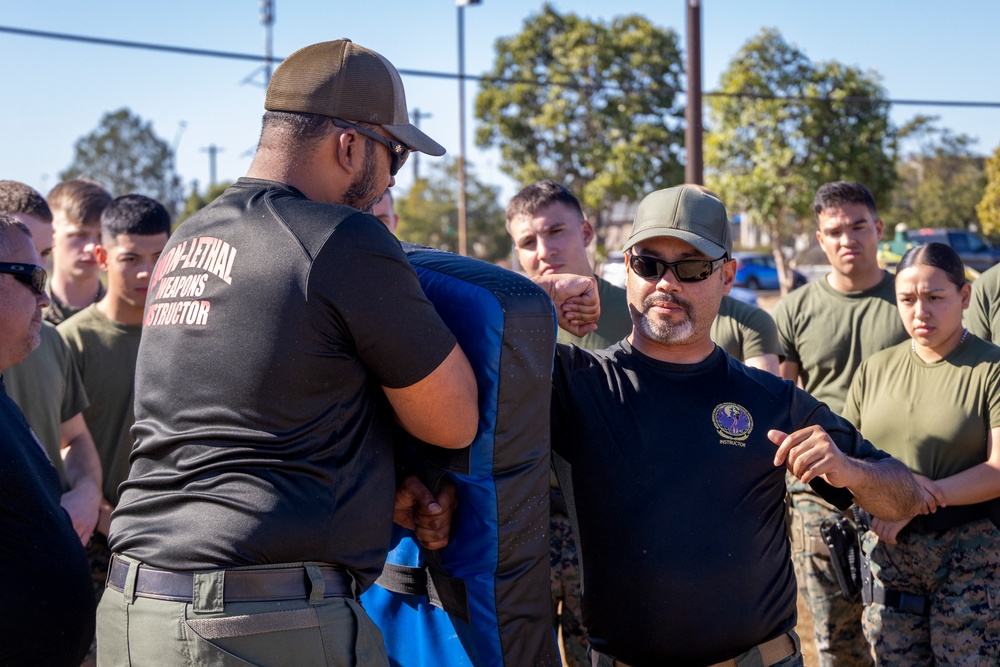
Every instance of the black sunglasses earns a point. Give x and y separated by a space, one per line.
397 151
31 275
686 271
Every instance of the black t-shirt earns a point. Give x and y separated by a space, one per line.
262 432
47 609
679 507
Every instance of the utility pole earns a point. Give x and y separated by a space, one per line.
417 115
693 169
267 19
212 151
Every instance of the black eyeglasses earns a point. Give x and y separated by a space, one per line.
31 275
686 271
397 151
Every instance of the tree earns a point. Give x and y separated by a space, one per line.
940 181
988 209
428 214
125 155
768 156
590 104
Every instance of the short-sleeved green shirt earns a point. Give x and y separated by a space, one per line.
983 315
105 353
615 322
48 389
829 333
744 331
934 417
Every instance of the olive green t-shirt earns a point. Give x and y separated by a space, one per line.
983 315
105 353
615 322
829 333
934 417
58 312
744 331
48 389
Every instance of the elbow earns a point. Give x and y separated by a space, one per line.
464 423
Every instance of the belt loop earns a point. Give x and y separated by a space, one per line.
317 587
128 590
208 594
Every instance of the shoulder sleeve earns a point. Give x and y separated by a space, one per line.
71 337
761 334
993 394
75 399
786 331
856 395
977 317
362 275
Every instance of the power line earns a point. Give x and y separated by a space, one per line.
232 55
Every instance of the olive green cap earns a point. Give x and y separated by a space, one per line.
687 214
344 80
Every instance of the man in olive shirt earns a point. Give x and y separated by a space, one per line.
826 329
76 221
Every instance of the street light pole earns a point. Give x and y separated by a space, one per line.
693 169
461 124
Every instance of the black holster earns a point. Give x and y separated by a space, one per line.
842 539
863 520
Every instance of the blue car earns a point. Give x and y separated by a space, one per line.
756 270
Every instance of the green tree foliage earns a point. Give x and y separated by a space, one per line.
125 155
589 104
198 200
768 156
428 214
988 208
941 180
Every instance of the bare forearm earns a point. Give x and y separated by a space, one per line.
974 485
886 489
81 463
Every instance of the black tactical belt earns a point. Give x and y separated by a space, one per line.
286 583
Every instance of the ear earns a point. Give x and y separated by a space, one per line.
966 293
349 150
101 255
879 228
587 231
729 275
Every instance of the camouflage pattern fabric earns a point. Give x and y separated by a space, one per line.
564 580
840 641
959 570
99 557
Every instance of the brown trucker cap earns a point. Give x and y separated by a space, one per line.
344 80
685 213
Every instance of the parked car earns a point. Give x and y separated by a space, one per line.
756 270
976 253
745 295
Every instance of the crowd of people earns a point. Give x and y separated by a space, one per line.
196 427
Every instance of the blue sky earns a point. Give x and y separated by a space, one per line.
57 91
